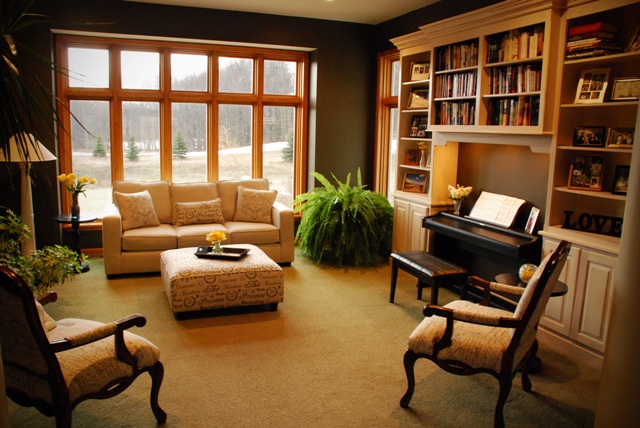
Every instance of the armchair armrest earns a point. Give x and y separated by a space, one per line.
111 238
488 286
115 328
282 217
48 297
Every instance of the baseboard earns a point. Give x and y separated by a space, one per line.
570 348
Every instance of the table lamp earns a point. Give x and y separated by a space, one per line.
36 152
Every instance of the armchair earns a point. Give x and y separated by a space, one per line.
466 338
55 365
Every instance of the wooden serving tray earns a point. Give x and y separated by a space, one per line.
228 253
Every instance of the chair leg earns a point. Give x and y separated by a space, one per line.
505 388
63 416
394 278
410 358
157 374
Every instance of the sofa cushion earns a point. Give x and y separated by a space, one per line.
252 233
161 237
159 191
136 209
198 212
191 192
194 235
254 205
228 192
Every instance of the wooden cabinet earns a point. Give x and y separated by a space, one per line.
578 321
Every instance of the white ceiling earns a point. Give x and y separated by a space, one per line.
361 11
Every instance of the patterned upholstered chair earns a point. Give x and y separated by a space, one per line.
55 365
466 338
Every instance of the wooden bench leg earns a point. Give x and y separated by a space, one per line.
434 293
394 278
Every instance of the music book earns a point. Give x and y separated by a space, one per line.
496 209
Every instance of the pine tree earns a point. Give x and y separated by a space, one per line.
99 150
132 150
287 151
179 147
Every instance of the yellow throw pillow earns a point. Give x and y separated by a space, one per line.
199 212
254 205
136 209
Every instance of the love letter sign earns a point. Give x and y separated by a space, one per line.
596 223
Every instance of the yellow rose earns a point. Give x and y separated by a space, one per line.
93 181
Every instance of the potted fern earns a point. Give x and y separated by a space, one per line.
344 224
44 268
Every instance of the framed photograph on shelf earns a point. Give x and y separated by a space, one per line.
586 172
413 157
589 136
620 138
592 85
621 180
420 71
625 89
419 98
416 183
419 125
634 42
531 222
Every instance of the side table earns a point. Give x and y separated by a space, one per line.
75 237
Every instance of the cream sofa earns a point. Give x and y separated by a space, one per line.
138 226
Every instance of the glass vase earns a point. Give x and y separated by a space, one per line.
217 248
75 205
457 203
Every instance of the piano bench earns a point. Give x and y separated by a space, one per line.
429 269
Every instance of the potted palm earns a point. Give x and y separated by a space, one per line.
44 268
344 224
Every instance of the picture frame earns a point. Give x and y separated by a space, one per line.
418 98
621 180
620 138
420 71
413 157
625 89
419 125
589 136
415 183
592 86
531 222
586 172
634 42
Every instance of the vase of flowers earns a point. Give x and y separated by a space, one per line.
215 238
75 185
457 195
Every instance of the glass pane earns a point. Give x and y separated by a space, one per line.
141 140
393 154
236 75
234 139
88 68
91 153
140 70
395 78
188 72
278 146
280 77
189 140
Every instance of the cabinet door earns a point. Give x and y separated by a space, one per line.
418 234
593 299
557 314
400 225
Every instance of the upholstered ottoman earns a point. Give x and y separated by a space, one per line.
197 284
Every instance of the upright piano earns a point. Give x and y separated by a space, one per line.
483 249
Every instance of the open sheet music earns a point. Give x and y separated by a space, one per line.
496 209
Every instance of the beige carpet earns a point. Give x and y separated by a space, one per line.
331 356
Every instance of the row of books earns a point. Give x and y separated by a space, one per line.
516 44
591 40
514 79
456 56
456 85
520 111
456 113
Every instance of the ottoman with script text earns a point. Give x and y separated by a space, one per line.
198 284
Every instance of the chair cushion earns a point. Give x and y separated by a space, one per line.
194 235
155 238
199 212
252 233
137 209
476 345
91 367
254 205
47 322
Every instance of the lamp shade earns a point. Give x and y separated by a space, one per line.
35 151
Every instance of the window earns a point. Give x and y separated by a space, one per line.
387 123
181 112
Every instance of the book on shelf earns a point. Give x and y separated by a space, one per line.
516 111
593 27
515 44
594 34
589 53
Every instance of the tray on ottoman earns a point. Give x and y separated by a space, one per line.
228 253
